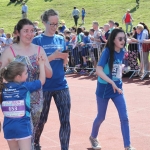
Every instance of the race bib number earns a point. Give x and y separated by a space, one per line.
13 109
117 71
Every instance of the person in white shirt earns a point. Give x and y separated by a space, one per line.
75 14
24 10
2 44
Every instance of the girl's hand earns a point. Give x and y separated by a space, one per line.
40 59
115 88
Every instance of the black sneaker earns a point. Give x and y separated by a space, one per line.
37 147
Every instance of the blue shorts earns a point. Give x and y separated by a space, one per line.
85 51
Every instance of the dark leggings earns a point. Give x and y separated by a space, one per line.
76 20
62 101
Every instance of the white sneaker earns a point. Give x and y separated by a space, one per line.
130 148
95 144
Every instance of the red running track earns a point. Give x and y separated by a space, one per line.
83 112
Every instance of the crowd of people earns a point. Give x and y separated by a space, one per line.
37 57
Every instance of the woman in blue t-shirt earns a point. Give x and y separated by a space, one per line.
56 86
15 103
109 86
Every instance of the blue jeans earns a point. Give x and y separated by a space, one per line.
120 104
128 24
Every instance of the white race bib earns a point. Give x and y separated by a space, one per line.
13 109
117 71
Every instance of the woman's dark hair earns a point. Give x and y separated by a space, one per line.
110 45
20 25
117 24
73 28
79 30
145 26
9 73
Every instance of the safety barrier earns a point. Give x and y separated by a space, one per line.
84 58
89 54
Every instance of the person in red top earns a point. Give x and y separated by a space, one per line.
127 19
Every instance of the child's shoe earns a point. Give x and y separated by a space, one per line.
95 144
130 148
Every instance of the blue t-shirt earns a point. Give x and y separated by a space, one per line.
18 127
62 29
67 43
83 12
86 39
104 89
50 45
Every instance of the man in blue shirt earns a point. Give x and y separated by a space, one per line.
24 10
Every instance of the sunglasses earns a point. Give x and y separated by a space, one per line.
122 38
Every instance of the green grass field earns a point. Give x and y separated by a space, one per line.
99 10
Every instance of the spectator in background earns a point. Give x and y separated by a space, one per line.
133 53
67 39
111 25
24 10
84 45
91 35
73 30
2 44
67 32
127 19
116 25
146 30
141 36
83 15
63 26
8 41
105 34
2 34
36 23
96 40
75 14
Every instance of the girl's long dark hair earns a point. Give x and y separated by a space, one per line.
110 45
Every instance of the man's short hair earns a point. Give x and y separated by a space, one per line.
96 23
107 25
111 21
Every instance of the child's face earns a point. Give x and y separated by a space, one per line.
24 75
91 33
